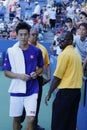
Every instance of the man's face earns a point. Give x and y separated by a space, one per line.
83 31
83 18
23 36
64 40
69 24
33 36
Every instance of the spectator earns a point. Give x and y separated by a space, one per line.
36 10
30 21
13 35
70 26
52 17
18 11
1 24
45 19
74 2
27 10
54 48
16 20
2 11
83 18
84 7
5 32
28 1
81 41
77 34
12 11
70 11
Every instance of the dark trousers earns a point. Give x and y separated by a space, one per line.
40 81
2 16
65 108
52 23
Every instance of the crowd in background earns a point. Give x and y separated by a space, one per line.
53 16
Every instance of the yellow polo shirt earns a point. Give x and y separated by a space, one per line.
69 69
45 54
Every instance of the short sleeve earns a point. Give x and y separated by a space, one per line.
7 65
61 66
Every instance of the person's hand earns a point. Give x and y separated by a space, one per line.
33 75
47 98
24 77
51 48
45 81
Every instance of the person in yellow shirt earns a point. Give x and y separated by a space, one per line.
33 39
68 80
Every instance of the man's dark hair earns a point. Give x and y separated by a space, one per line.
84 25
83 13
23 25
69 35
68 20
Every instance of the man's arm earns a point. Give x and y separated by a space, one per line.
48 75
84 65
48 72
35 74
12 75
55 82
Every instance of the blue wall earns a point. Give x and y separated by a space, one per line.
82 113
4 44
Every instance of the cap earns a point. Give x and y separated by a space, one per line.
53 8
59 32
48 6
36 2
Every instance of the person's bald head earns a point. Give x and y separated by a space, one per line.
65 39
33 35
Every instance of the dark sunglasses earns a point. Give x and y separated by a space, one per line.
63 40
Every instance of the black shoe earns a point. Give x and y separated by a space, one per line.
40 128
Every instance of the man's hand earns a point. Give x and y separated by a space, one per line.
24 77
33 75
45 81
48 96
